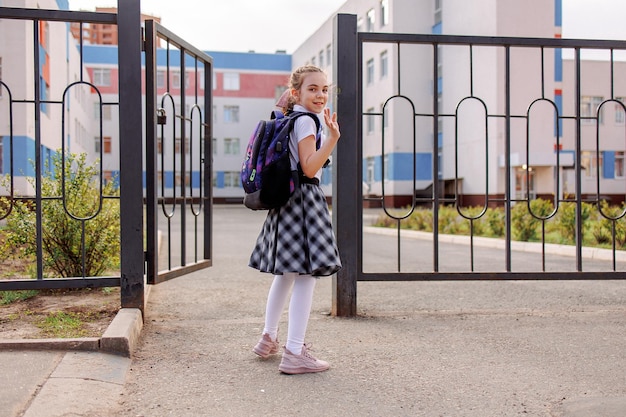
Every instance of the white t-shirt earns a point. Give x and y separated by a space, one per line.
302 128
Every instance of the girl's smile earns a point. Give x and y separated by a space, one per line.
313 94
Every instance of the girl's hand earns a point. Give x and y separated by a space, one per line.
333 126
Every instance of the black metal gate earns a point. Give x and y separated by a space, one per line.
178 154
350 77
183 137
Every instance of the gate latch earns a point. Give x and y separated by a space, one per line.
161 117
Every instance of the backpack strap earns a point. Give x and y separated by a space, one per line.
294 115
276 114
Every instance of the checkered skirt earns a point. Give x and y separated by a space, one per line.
298 237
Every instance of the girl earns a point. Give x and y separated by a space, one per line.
297 243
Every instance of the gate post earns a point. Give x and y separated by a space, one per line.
131 133
347 177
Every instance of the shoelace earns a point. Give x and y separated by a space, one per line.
306 353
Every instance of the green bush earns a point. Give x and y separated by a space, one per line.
524 225
421 220
94 218
495 222
560 226
450 221
565 220
602 230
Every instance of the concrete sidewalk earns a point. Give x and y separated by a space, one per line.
417 349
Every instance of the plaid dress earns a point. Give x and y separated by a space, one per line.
298 237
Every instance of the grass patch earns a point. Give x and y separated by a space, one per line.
62 324
9 297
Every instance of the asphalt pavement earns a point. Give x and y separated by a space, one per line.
504 348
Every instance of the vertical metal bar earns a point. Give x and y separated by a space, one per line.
183 161
507 155
38 169
131 131
152 224
208 161
347 188
578 148
436 191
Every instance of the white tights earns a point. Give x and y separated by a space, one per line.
299 307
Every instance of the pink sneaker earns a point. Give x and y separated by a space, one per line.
266 346
301 364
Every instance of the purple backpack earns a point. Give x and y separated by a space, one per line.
266 174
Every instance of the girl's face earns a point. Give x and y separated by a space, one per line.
313 94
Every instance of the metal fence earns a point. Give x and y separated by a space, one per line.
350 76
137 201
178 142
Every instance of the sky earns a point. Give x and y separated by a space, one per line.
270 25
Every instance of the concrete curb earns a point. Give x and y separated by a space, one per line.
122 335
534 247
120 338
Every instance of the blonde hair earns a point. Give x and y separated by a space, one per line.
295 82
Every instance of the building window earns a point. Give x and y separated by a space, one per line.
370 122
177 144
231 114
525 183
589 107
384 64
313 61
619 111
328 55
200 82
231 146
231 81
278 91
106 111
384 12
106 144
97 143
232 179
370 72
175 79
370 171
321 58
371 19
589 162
214 145
160 79
619 164
102 77
438 11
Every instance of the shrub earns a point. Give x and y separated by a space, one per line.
449 222
93 230
525 225
602 230
495 221
565 221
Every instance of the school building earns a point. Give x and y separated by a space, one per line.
481 168
246 85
